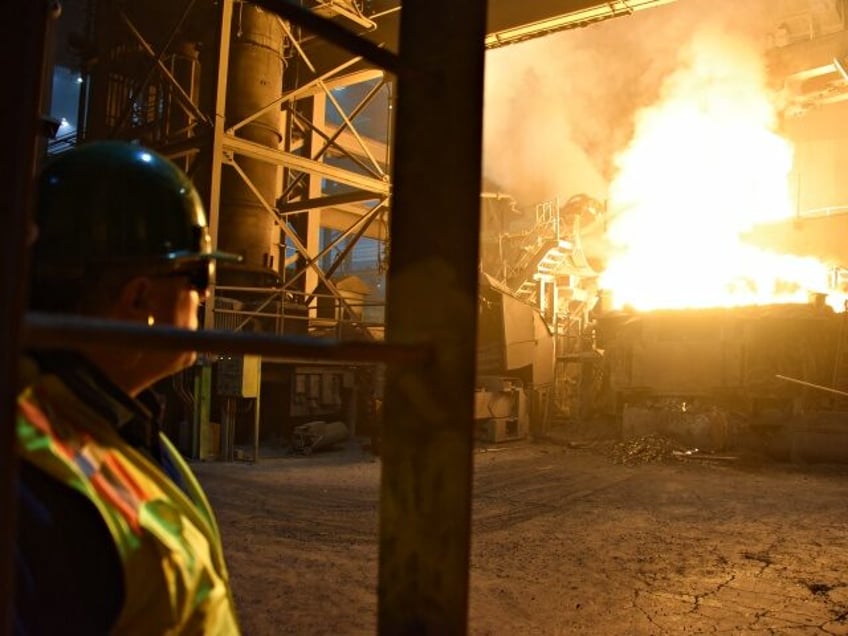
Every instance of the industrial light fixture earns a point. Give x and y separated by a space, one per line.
570 20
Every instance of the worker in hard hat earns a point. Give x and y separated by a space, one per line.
114 533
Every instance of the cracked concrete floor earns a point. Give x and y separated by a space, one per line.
565 541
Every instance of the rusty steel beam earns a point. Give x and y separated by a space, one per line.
427 431
23 41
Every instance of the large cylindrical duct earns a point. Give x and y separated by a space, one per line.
255 80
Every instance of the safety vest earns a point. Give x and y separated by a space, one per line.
175 578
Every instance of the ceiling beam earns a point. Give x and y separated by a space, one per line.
507 22
510 22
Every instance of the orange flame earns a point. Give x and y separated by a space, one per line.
705 165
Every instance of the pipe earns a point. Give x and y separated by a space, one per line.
811 385
66 331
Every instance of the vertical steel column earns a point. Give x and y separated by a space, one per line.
312 218
218 127
23 40
203 387
426 452
307 224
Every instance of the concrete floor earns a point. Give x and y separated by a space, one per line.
569 538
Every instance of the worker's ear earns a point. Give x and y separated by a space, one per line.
134 300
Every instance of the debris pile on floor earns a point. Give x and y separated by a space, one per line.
643 450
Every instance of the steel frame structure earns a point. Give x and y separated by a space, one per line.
209 142
372 182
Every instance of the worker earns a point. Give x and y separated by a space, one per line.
114 533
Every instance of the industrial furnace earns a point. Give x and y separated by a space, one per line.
712 377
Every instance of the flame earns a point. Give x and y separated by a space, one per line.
705 165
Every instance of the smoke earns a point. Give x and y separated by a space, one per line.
559 109
714 115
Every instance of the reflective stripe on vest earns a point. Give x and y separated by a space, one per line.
174 574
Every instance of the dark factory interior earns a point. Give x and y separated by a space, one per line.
464 225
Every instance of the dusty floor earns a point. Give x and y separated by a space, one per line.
588 538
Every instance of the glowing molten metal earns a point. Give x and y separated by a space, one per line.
705 165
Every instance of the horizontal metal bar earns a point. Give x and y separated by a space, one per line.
289 160
827 389
297 207
42 330
256 290
334 33
567 15
342 81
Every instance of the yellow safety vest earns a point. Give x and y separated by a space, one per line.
175 578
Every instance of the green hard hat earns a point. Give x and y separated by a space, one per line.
116 203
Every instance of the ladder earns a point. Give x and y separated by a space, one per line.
551 258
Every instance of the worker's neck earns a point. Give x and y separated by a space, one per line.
124 367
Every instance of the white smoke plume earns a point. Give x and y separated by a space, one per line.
559 109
